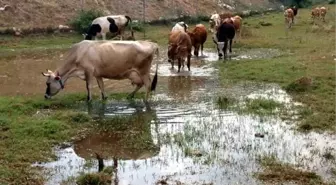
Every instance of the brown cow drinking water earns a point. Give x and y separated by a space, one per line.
179 48
106 59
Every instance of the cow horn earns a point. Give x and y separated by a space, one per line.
45 74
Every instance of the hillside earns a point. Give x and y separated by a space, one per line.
42 13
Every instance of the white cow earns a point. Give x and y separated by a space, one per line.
214 22
106 59
180 26
115 24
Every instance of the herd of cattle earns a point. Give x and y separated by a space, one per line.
316 13
132 59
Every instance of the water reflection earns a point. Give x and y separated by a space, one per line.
226 141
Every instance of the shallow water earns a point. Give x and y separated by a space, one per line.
226 141
191 140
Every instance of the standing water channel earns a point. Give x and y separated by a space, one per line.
189 139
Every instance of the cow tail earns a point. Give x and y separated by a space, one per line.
155 79
129 20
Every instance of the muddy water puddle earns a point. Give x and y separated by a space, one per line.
184 137
191 141
21 75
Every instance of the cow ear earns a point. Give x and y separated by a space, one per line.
57 78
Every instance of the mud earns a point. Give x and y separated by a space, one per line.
189 140
21 75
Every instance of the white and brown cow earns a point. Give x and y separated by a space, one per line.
180 26
106 59
115 24
289 17
323 12
217 19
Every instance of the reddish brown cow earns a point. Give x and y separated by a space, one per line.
289 17
225 15
323 12
237 23
315 13
198 37
179 48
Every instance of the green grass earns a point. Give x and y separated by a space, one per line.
30 127
262 106
310 54
259 106
275 172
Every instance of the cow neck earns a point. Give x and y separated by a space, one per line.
65 72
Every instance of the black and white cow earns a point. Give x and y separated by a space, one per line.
115 24
224 36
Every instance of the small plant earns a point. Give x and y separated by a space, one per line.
84 19
138 26
262 106
300 85
225 102
94 179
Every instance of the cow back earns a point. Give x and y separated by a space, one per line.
179 39
226 31
198 35
111 59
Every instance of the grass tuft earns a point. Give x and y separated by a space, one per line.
274 171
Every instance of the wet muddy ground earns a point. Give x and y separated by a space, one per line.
190 140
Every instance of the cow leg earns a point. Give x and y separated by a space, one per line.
88 86
131 95
225 49
147 83
135 77
104 36
188 61
179 64
230 49
172 64
101 87
202 49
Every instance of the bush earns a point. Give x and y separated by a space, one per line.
138 26
331 2
84 19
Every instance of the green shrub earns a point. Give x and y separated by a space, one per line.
138 26
84 19
331 2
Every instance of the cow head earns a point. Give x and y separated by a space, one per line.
172 51
54 84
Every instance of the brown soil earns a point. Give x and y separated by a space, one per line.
42 13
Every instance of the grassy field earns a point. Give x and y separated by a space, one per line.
29 127
310 53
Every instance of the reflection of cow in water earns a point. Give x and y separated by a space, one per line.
179 87
119 140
